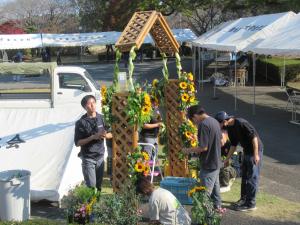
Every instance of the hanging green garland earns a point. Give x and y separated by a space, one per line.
132 56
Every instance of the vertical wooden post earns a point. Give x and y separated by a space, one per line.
125 139
174 118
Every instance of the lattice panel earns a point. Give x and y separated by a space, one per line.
163 37
140 25
125 139
136 30
174 118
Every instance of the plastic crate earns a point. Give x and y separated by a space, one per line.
179 186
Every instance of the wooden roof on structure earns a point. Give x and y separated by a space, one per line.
143 23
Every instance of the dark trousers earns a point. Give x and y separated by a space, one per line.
93 172
250 178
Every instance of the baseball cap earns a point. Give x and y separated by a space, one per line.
221 116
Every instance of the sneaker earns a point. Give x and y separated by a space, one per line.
245 208
239 202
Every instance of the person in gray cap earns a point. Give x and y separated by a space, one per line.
89 135
240 131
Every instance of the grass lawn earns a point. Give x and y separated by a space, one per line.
269 206
280 61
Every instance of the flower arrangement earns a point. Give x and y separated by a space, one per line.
187 91
138 162
106 100
157 91
188 132
139 107
203 209
79 203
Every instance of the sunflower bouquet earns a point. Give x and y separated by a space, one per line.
157 91
139 107
187 91
188 133
138 162
203 209
106 101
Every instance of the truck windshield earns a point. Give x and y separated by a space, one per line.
88 76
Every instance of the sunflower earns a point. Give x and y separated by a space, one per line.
192 88
190 76
147 98
193 143
188 134
139 167
146 170
191 192
154 83
200 188
145 156
145 110
184 97
192 99
183 85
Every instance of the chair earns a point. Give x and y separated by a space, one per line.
153 161
291 94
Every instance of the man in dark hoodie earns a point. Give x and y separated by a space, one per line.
89 135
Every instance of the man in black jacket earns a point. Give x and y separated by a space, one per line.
89 135
240 131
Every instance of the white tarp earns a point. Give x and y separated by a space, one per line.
285 41
20 41
80 39
237 35
48 152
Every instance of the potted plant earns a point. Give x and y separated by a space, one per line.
203 212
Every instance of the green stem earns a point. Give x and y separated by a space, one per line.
178 64
132 56
116 69
165 68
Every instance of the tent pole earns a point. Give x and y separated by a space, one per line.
266 67
199 72
283 74
216 64
202 69
254 72
194 60
235 84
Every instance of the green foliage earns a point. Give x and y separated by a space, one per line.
107 94
203 209
138 107
77 197
119 208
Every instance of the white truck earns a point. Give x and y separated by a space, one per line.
39 105
44 85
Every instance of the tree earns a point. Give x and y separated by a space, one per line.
46 16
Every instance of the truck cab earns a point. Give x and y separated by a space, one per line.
45 85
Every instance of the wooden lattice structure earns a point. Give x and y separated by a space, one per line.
125 139
174 119
143 23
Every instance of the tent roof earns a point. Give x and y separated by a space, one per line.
22 41
285 41
238 34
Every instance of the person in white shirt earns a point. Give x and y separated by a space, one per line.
164 208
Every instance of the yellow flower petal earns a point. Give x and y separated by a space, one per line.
183 85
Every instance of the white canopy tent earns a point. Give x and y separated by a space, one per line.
238 35
284 42
20 41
